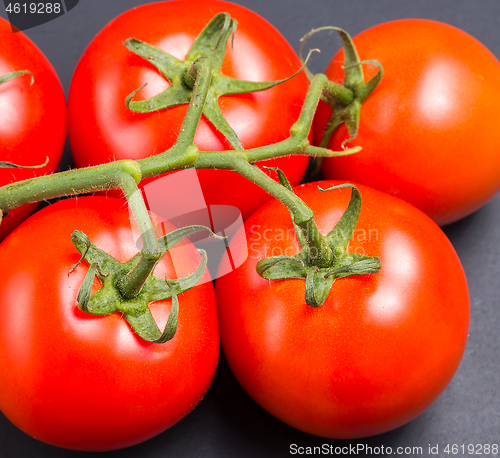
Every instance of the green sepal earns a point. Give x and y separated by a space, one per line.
212 111
343 231
10 76
317 287
191 280
171 325
144 324
139 315
174 237
10 165
365 89
281 267
86 288
353 72
171 97
170 67
212 40
94 255
352 264
351 115
162 60
104 301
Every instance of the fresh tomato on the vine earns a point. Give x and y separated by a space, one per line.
429 132
102 128
380 349
88 382
32 117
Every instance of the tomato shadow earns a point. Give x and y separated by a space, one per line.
15 443
247 430
472 248
226 423
458 230
276 438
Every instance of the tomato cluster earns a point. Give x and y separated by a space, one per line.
370 357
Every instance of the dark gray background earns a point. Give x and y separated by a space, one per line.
227 423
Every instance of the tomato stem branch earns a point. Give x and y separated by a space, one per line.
298 142
183 153
71 182
130 285
303 216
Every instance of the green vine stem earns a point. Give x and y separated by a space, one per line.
71 182
110 176
297 143
183 154
124 175
129 287
302 215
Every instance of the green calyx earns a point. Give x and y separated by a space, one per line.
346 98
210 43
128 288
309 263
135 308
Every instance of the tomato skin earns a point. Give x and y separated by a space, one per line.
382 347
102 129
32 118
429 132
86 382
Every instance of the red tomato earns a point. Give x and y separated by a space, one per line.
381 348
87 382
32 117
103 129
429 132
